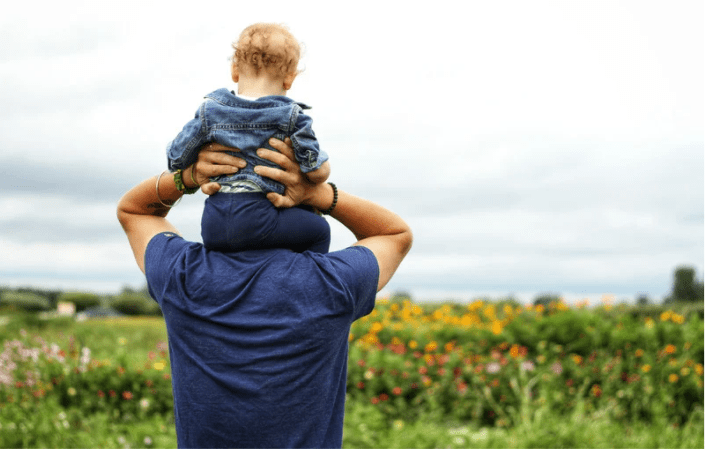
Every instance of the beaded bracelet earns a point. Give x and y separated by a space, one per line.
335 200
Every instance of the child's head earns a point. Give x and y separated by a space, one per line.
266 49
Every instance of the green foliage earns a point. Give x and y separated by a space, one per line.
31 302
135 304
685 286
82 300
477 375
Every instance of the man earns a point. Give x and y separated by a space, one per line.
258 340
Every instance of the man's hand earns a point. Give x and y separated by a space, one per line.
214 161
298 188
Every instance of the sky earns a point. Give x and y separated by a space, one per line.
532 146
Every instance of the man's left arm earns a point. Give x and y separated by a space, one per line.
143 209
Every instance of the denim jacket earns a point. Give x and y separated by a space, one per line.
248 125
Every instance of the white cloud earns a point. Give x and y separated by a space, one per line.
528 143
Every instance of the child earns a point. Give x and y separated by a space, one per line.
239 216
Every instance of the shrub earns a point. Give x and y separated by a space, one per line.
135 304
30 302
82 300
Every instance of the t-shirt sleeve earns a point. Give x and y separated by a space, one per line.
358 270
160 256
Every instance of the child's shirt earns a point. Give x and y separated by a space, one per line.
248 125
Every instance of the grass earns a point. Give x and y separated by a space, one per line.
366 425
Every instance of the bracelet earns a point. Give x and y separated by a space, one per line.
193 169
335 200
159 198
179 181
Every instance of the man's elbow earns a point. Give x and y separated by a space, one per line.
406 240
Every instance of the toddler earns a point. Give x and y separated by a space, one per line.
240 216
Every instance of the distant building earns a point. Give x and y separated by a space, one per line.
65 309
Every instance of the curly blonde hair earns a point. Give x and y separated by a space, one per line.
269 47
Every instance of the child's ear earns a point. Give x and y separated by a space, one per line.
235 73
288 81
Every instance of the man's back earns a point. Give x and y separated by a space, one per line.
258 340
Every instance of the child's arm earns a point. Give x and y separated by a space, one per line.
319 175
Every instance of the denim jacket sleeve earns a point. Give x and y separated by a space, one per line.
183 150
306 151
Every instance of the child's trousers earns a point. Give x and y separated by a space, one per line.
240 221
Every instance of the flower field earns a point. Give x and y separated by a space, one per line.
505 366
482 374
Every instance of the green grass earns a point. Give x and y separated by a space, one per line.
137 342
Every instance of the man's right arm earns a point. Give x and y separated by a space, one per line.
375 227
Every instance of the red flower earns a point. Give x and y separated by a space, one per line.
360 385
111 393
423 370
383 397
361 362
101 394
126 395
374 400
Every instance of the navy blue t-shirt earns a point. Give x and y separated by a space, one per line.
258 340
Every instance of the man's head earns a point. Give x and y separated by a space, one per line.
266 50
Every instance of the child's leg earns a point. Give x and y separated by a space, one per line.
236 221
300 230
240 221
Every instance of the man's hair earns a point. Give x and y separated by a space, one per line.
269 47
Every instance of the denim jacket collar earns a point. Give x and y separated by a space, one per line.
228 98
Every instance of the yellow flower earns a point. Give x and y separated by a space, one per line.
678 319
673 378
649 323
646 368
496 327
665 316
685 371
71 391
398 424
413 344
639 352
376 327
122 341
577 359
431 346
159 366
699 369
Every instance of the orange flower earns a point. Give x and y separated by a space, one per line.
673 378
670 349
126 395
596 391
396 391
639 352
514 351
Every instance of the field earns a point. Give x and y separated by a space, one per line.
484 374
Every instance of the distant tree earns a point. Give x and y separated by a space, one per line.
400 296
685 286
545 299
643 300
82 300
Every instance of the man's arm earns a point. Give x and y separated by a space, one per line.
379 229
142 210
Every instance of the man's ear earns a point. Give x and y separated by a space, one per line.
235 73
288 81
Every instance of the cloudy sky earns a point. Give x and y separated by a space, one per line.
533 146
